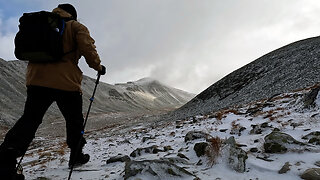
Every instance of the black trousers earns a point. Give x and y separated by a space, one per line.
38 101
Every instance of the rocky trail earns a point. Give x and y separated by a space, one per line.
275 138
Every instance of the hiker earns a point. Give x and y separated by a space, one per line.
50 82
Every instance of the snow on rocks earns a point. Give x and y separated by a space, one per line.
226 152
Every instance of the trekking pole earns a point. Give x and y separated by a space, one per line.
84 124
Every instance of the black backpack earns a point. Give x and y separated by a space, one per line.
40 37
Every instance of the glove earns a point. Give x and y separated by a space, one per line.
102 71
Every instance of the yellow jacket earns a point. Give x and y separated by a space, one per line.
65 74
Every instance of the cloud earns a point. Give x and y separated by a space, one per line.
186 44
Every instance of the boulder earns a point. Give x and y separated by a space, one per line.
285 168
201 148
310 98
150 150
311 174
236 156
118 159
313 137
278 142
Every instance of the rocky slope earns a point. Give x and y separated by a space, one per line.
276 138
144 96
288 68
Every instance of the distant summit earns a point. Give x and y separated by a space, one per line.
294 66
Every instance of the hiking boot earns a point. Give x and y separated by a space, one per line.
8 164
18 177
79 160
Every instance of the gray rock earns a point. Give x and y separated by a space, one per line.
313 137
192 135
158 168
278 142
42 178
118 159
259 128
309 99
311 174
201 148
317 163
149 150
285 168
236 156
176 160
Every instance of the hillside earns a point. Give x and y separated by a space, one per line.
144 96
276 138
294 66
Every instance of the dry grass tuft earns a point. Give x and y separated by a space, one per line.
214 150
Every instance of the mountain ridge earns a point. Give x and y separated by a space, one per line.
133 97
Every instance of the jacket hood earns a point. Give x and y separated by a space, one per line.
61 12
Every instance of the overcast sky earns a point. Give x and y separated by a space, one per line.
187 44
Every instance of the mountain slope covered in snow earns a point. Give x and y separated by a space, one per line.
229 144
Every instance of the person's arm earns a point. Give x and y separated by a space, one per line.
85 44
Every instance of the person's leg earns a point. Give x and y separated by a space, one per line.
70 105
19 137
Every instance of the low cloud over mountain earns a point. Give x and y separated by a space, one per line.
145 95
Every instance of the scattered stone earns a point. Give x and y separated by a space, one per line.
176 160
313 137
126 141
151 150
254 110
259 128
264 158
285 168
182 156
158 168
201 148
255 129
114 159
223 130
294 125
144 139
192 135
167 148
317 163
237 130
42 178
311 174
199 163
254 150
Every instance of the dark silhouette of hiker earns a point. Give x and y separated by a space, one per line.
58 82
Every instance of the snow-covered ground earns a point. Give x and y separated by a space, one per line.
49 158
